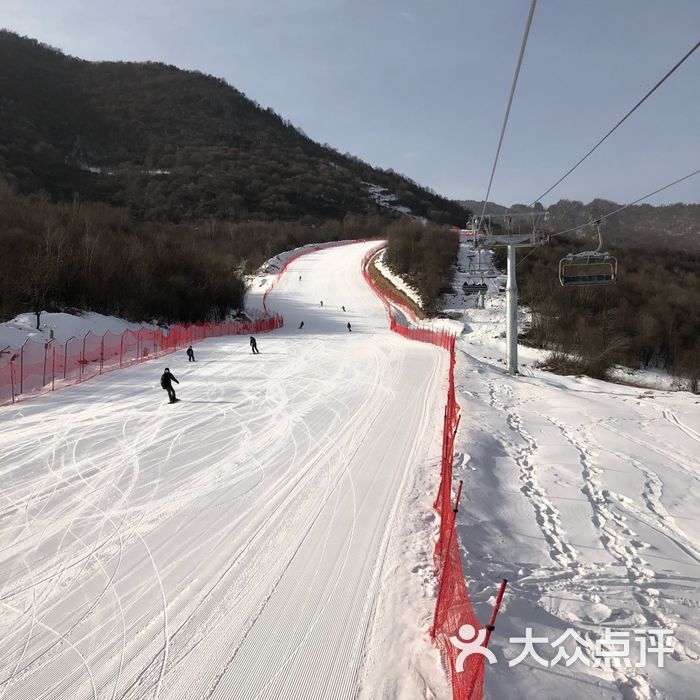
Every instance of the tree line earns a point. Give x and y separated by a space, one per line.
90 256
424 255
650 318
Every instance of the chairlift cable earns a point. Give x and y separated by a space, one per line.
636 201
510 102
605 216
658 84
525 257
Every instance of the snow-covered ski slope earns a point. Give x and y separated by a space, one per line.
243 543
586 496
271 535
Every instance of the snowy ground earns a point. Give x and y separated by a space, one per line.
64 326
585 495
268 537
271 536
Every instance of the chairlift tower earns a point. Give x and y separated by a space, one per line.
513 240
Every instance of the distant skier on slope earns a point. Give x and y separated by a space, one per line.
300 278
349 327
343 308
321 302
301 325
254 346
166 383
190 354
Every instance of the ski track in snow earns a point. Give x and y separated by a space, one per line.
230 546
584 495
245 542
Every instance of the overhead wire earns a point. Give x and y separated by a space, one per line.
619 123
510 101
636 201
616 211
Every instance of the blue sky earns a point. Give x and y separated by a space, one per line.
421 86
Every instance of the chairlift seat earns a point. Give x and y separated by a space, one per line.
588 268
474 288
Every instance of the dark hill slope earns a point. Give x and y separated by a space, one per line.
174 145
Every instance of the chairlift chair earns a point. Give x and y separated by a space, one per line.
588 268
474 288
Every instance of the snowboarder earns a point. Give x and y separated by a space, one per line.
349 327
190 354
300 278
321 302
254 346
301 325
166 383
343 308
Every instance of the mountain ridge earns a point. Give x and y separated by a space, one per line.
675 226
176 145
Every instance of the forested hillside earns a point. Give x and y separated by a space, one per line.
88 255
171 145
651 317
425 256
671 226
674 226
146 191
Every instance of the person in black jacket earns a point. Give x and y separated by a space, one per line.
166 382
254 346
190 354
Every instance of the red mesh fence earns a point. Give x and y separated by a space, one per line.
453 609
38 367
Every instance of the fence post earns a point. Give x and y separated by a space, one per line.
43 381
21 369
490 627
53 369
65 356
496 607
82 362
102 353
121 348
12 376
459 495
445 557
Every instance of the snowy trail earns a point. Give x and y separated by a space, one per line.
585 495
233 545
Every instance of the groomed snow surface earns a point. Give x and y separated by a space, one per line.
271 535
253 540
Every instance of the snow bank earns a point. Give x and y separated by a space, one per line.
63 325
398 282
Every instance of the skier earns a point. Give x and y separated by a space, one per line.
349 327
166 383
254 346
343 308
190 354
300 278
321 302
301 325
